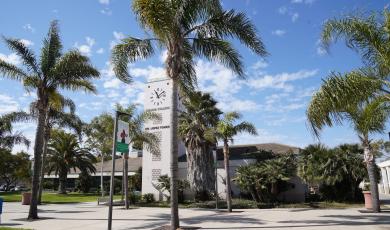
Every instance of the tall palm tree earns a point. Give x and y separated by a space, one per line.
195 125
64 154
8 138
366 118
54 71
186 29
227 128
57 116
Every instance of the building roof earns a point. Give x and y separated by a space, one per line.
134 165
238 152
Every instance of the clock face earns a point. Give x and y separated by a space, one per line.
158 96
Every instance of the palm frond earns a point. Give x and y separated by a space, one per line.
51 49
72 66
24 53
11 71
246 127
221 51
129 50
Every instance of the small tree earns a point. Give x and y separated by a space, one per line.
226 130
84 182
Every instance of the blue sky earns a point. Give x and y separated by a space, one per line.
274 97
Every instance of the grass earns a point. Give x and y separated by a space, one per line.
8 228
54 198
249 204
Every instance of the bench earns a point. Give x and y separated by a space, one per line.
101 200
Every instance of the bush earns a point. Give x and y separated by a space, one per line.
84 183
134 197
148 198
48 184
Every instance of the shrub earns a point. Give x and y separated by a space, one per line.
135 197
148 198
84 182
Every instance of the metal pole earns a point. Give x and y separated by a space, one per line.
216 178
101 176
112 172
126 181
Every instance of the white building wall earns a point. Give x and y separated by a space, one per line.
155 165
384 185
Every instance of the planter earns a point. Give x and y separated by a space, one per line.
26 198
367 199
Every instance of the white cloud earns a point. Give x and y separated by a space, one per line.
86 49
28 27
27 42
163 56
104 2
100 51
8 104
261 64
279 33
309 2
294 17
149 73
280 81
12 58
264 136
283 10
106 11
113 83
321 51
118 36
237 105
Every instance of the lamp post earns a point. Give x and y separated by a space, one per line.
216 176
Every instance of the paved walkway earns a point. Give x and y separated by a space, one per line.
90 216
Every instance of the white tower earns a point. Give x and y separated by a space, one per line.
157 99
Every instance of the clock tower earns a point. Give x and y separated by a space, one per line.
157 99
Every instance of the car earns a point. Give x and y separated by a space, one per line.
21 188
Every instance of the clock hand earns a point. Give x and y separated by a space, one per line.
163 92
158 96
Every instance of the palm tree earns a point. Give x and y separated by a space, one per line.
138 137
226 130
366 118
64 153
195 125
57 116
186 29
8 138
54 71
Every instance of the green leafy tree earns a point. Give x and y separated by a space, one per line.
186 29
226 129
54 71
337 171
196 124
99 140
14 167
64 153
264 179
84 182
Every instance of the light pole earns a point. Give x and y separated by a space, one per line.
216 176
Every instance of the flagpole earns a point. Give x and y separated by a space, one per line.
112 171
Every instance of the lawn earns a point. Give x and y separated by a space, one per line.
8 228
249 204
55 198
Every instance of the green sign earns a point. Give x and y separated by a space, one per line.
122 147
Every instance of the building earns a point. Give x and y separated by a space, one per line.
241 155
384 184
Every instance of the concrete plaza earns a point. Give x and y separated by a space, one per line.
90 216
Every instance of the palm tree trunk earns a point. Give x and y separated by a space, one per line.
33 210
369 158
227 168
174 156
101 176
42 176
62 179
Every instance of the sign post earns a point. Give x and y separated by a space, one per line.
112 171
216 177
120 144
